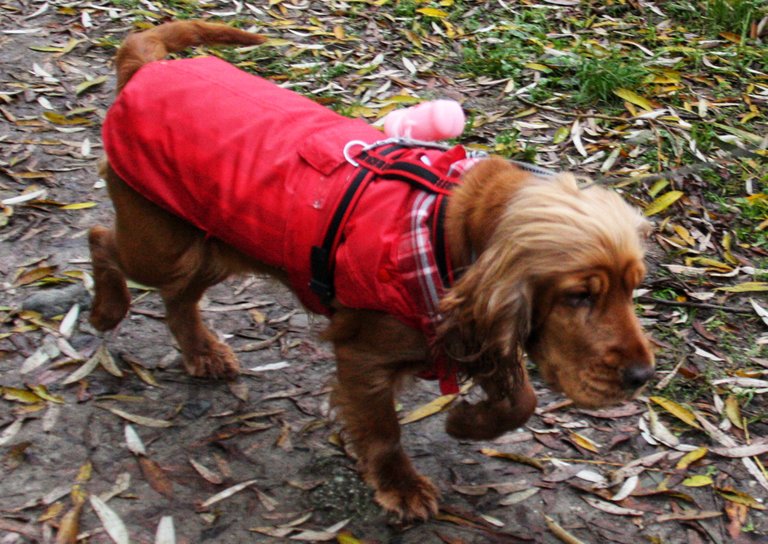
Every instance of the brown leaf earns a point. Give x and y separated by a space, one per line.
737 516
284 440
689 515
156 477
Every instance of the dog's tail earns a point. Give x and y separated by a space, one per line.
156 43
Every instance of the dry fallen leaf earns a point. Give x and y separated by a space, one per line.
111 522
431 408
166 533
155 477
516 457
141 420
206 473
227 493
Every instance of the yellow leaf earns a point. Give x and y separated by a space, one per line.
633 98
699 480
78 494
20 395
727 244
747 117
746 287
584 442
429 409
69 526
85 472
433 12
740 497
664 76
525 113
51 512
690 458
683 233
143 374
538 67
657 187
677 410
277 42
71 44
561 134
663 202
78 206
710 263
346 538
731 37
60 119
36 274
516 457
733 411
338 32
450 30
87 84
43 393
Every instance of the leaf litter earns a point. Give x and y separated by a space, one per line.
685 142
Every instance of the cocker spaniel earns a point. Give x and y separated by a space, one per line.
428 261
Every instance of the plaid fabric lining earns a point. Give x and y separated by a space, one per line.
423 274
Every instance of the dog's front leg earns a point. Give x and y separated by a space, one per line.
374 352
504 409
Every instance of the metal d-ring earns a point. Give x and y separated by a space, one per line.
348 156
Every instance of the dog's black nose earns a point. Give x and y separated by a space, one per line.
637 375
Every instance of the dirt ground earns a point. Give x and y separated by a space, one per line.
272 427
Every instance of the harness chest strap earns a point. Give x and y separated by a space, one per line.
376 163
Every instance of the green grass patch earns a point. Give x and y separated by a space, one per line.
598 77
716 16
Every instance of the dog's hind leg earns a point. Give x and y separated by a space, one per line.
203 354
157 249
111 299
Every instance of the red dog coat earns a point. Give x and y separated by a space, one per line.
263 169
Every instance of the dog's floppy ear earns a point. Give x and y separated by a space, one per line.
486 320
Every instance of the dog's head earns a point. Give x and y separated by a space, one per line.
554 275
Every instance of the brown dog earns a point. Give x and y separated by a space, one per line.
539 266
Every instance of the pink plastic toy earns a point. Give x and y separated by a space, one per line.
429 121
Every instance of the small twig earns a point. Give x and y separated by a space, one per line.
669 377
255 346
580 115
702 305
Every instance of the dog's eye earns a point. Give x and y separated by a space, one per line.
580 299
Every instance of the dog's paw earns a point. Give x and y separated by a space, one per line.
105 316
411 499
218 362
488 419
481 421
